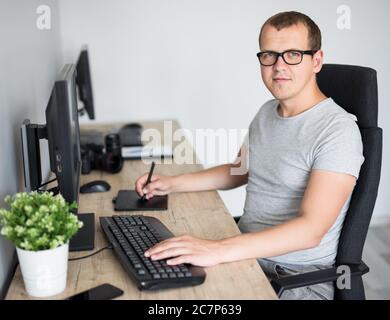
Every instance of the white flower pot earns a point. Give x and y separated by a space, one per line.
44 272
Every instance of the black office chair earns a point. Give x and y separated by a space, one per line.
355 89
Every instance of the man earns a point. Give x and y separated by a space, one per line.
305 154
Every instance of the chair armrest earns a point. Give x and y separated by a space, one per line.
315 277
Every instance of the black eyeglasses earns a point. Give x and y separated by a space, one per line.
291 57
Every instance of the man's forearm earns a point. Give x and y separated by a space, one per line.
296 234
216 178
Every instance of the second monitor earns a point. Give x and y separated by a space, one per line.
84 84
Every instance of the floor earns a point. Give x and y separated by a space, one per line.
376 255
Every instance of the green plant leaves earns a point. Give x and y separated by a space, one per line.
38 221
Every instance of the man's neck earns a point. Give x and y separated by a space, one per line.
299 104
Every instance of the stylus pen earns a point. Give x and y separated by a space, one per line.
149 179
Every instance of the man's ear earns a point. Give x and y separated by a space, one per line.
318 61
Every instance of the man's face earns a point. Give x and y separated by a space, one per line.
287 81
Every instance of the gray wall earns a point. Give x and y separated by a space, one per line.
29 63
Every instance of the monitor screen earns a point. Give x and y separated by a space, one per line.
63 134
84 83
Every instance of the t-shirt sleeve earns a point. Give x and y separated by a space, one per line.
242 158
340 150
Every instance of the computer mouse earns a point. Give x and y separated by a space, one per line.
95 186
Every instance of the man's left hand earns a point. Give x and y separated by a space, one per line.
187 249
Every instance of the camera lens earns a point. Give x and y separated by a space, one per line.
112 160
113 143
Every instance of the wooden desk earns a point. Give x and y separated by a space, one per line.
201 214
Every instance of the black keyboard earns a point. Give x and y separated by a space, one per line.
131 236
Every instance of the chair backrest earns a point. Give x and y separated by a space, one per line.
354 88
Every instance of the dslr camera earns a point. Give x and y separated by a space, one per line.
106 158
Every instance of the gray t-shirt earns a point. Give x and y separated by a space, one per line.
282 153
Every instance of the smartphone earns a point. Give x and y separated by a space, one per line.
103 292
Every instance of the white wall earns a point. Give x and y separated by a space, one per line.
29 63
195 60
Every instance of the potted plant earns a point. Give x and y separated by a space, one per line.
40 225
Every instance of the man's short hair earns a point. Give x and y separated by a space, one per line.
289 18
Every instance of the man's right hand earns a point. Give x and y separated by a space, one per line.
159 185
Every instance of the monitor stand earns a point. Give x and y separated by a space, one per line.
84 239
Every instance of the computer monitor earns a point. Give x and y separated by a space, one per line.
84 84
63 135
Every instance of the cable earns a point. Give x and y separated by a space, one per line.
47 182
81 111
44 184
15 267
110 246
